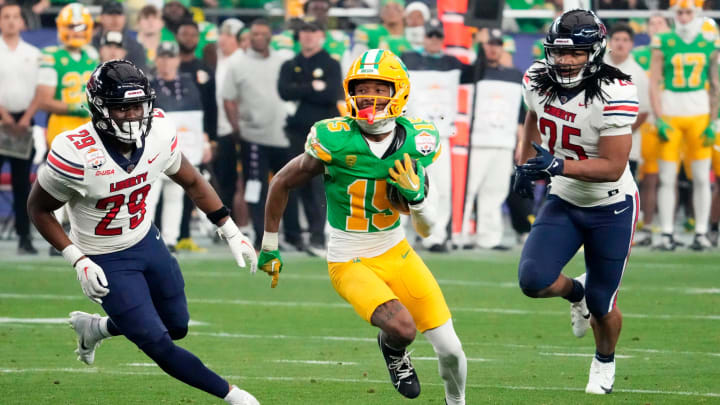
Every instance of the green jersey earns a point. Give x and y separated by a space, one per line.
685 64
370 34
642 55
395 44
72 74
337 43
355 178
208 35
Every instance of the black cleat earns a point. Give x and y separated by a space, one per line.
402 372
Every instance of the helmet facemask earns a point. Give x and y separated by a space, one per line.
127 131
371 119
570 75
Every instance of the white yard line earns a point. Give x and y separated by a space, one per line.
470 359
320 362
619 356
52 321
255 303
95 370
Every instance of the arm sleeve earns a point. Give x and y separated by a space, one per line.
621 109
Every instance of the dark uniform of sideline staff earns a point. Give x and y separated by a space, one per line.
313 79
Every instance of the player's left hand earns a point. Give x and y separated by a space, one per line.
271 263
240 246
708 134
522 185
409 183
543 165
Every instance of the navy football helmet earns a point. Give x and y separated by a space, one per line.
120 84
575 30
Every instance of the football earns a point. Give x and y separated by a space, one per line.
398 202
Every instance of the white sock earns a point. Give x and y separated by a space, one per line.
702 195
666 195
236 396
452 362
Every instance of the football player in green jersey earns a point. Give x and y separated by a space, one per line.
65 69
371 264
684 97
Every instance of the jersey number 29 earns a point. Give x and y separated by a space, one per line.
136 208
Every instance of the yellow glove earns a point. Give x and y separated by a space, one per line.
271 263
410 184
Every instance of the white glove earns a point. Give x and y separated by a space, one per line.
240 246
92 279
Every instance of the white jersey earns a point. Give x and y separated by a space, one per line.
106 202
572 130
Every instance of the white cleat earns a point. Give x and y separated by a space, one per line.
236 396
602 377
87 327
579 313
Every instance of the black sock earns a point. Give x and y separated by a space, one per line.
603 358
112 328
715 226
577 293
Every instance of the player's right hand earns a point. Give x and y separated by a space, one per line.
271 263
92 279
523 185
663 129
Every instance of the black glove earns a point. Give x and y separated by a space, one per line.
522 184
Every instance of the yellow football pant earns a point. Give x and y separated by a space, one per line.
58 124
649 148
687 131
399 274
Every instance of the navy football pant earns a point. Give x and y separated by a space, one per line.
147 304
557 234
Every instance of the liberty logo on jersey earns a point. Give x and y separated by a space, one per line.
560 113
129 182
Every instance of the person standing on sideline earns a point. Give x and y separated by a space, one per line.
225 161
18 104
111 46
435 78
497 122
313 80
112 18
256 112
579 127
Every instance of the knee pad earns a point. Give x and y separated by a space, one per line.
177 333
531 278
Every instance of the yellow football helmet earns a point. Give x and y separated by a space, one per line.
378 64
74 18
697 5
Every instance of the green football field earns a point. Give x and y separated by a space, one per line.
301 344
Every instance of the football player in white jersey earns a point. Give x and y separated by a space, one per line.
103 171
581 111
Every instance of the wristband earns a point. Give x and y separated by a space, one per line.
270 241
218 214
72 254
417 206
228 229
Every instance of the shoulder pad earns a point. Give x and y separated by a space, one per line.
333 133
65 158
